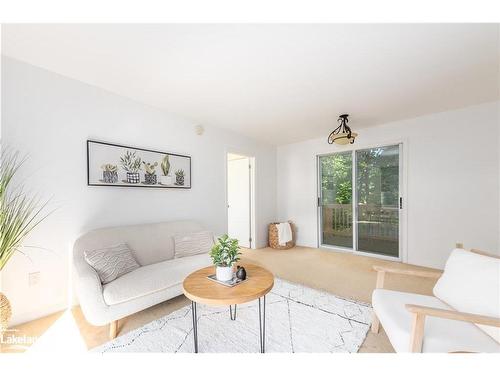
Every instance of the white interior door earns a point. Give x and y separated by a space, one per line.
238 196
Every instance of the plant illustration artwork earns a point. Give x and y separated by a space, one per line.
131 163
150 173
116 165
179 177
165 165
109 173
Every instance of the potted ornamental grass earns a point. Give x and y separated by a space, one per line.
131 163
225 253
20 213
166 178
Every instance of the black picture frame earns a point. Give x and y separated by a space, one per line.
140 184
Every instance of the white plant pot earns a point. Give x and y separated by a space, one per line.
224 273
166 180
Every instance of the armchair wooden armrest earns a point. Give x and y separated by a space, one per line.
435 274
419 313
382 270
454 315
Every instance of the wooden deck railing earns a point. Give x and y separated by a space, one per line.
374 221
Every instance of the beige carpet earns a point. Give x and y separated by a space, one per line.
342 274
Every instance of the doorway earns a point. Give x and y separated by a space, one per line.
240 198
360 200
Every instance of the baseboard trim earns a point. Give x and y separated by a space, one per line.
33 315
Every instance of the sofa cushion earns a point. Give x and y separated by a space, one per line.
471 283
111 262
190 244
440 335
152 278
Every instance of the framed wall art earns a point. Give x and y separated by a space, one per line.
110 164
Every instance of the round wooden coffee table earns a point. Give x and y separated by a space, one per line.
199 289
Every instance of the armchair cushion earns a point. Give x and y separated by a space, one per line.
471 284
440 335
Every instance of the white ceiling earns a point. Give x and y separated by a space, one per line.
275 83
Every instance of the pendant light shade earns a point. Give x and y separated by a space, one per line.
342 135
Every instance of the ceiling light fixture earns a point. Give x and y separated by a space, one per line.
342 135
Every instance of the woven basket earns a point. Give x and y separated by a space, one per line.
5 312
273 237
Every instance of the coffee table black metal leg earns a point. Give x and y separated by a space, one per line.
195 326
231 314
262 324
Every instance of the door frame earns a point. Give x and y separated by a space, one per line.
403 181
251 160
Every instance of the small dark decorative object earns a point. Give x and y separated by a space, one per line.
241 273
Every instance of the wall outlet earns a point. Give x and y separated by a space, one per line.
33 278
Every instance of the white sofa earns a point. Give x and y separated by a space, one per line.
462 316
158 279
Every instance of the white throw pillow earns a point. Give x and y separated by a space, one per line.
193 243
471 284
111 262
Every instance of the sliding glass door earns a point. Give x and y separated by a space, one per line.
377 200
336 199
359 200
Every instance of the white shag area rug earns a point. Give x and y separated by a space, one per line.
298 319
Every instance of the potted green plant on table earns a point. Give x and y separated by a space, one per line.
20 213
131 163
225 253
166 179
109 173
179 177
150 173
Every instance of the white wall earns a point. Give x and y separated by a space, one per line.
453 178
49 117
452 184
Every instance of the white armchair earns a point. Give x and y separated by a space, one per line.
463 315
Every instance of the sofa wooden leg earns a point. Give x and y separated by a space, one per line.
113 329
417 333
375 323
